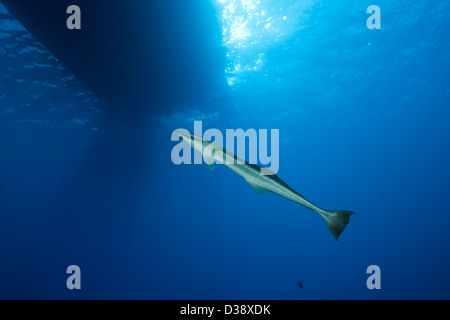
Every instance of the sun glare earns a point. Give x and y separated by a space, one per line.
249 29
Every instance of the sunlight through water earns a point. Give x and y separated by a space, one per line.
252 27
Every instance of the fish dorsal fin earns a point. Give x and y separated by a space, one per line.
259 190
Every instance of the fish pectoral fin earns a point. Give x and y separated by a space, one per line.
259 190
211 166
209 161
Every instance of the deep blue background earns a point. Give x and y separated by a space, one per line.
364 126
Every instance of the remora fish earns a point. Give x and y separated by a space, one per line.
263 180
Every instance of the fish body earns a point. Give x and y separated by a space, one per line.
263 180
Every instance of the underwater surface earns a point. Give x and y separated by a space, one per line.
363 118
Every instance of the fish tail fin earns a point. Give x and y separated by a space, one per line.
336 221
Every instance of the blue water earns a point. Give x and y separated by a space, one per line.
364 126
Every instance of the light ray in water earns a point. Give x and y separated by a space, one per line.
251 27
